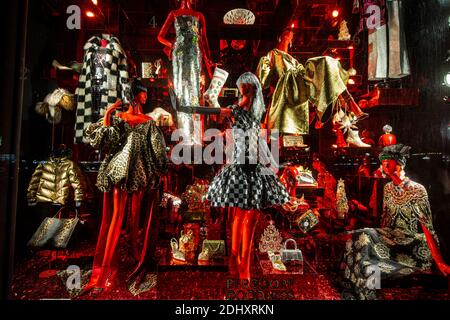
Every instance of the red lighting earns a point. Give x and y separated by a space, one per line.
90 14
95 2
335 13
351 48
292 25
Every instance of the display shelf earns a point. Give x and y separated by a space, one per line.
167 263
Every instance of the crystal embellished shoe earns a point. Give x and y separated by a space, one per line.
176 254
204 255
275 258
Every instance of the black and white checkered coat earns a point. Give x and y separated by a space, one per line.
246 182
115 81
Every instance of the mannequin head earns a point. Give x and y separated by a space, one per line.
141 98
285 39
251 96
393 161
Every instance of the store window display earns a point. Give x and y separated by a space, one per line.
398 247
187 52
135 161
103 80
245 183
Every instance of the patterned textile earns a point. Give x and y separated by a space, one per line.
136 155
92 93
186 63
397 248
245 182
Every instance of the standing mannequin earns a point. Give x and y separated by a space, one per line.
245 183
398 247
190 46
135 161
322 81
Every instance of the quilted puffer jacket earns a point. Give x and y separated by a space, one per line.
57 181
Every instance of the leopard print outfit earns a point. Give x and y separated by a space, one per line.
136 155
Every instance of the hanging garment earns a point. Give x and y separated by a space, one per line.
321 81
103 80
245 182
136 154
288 109
396 249
57 180
186 63
388 56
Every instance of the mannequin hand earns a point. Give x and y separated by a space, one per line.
111 109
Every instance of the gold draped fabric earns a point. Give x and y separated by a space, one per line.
321 81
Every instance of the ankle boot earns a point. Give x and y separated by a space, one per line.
353 139
216 85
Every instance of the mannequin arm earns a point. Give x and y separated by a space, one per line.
109 111
163 32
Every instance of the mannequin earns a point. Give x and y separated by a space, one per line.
186 52
322 81
136 159
398 247
244 183
388 138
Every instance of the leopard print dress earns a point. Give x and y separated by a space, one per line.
136 155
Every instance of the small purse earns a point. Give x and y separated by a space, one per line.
216 248
307 221
54 232
291 255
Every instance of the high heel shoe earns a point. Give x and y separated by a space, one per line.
216 85
353 139
176 254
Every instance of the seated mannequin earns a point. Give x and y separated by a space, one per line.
398 247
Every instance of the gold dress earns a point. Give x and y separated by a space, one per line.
320 81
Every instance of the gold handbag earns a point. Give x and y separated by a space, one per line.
216 248
54 232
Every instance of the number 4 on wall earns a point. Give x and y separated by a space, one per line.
152 22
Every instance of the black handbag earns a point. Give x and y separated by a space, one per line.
54 232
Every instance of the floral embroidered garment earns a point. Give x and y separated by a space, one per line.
397 248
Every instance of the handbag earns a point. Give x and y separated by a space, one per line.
291 255
307 221
216 248
54 232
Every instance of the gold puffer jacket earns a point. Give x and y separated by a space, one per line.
57 181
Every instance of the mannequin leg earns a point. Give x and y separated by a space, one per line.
120 200
134 222
248 232
147 256
236 241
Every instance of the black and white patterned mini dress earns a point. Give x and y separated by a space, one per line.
246 181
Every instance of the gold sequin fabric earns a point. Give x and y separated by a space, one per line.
397 248
136 155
